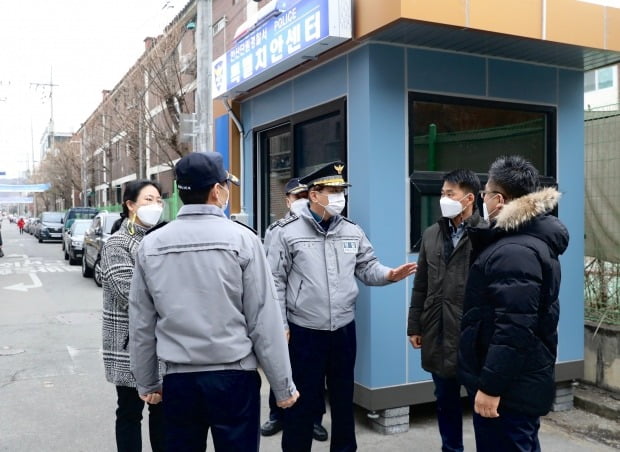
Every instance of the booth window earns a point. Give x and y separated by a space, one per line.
294 147
446 133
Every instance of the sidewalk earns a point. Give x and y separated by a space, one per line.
598 401
596 416
569 431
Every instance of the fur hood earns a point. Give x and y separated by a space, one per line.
521 210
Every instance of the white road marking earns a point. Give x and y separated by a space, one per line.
21 287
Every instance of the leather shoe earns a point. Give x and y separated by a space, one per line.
270 427
319 433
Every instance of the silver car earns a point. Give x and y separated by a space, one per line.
74 241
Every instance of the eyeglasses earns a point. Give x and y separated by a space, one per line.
483 193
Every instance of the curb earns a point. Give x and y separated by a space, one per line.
597 401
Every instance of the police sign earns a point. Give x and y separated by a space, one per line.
299 31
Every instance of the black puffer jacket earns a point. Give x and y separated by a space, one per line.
511 310
437 296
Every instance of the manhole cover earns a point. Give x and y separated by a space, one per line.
8 351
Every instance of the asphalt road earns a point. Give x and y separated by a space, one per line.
53 394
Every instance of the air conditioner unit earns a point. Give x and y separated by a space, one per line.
271 9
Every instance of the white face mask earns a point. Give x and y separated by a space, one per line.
485 211
224 205
298 205
150 214
336 203
450 208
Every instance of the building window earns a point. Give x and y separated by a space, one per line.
599 79
589 81
446 133
294 147
605 78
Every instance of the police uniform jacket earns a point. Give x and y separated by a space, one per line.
315 271
202 299
509 334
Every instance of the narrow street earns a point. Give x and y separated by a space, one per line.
54 397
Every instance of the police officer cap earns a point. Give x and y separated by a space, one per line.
329 175
293 187
199 170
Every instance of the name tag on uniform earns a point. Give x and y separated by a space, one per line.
349 246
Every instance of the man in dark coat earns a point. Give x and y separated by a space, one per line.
437 299
507 350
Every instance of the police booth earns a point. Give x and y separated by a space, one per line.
404 95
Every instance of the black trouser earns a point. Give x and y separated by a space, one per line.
320 357
510 432
129 418
449 413
227 401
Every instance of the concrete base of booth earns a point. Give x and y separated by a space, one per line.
415 393
390 421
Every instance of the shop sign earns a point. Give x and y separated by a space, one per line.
302 30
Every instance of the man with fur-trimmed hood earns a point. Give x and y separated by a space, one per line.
507 350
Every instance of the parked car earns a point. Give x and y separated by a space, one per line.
75 213
50 226
73 240
94 238
30 225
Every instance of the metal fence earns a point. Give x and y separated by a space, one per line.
602 215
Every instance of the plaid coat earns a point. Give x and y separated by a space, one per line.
117 262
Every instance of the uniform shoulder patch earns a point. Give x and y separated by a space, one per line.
286 221
246 226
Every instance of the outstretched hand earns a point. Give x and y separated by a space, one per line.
398 273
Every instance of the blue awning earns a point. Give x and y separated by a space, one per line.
32 188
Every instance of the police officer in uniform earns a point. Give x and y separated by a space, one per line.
296 196
315 258
202 300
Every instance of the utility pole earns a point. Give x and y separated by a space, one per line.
51 124
80 141
204 49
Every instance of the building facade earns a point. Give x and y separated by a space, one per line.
401 91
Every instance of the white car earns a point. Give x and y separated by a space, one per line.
74 241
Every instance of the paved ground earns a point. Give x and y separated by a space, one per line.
53 396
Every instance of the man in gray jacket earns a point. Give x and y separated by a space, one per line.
437 299
296 197
202 301
315 257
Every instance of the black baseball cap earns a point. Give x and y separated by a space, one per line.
199 170
294 187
